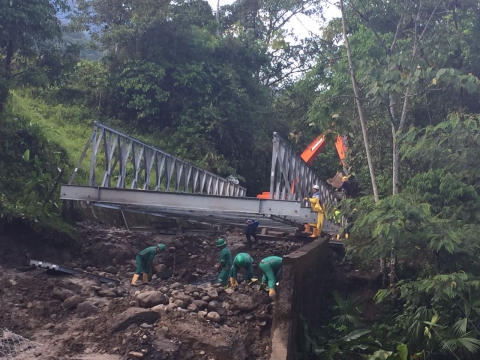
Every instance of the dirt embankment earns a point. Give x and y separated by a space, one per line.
184 317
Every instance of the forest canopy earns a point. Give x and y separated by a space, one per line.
398 79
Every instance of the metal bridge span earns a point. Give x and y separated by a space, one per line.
129 175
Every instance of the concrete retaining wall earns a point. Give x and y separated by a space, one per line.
302 282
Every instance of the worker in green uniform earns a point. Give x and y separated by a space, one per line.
145 262
241 261
225 261
271 267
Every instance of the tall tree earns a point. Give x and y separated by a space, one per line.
265 24
411 60
358 101
169 72
26 26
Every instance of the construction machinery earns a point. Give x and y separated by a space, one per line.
310 154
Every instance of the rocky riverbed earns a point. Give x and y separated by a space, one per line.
182 317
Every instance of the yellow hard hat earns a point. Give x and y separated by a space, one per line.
345 178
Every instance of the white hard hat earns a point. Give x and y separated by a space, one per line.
316 187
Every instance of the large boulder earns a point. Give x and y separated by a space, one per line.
133 316
212 293
180 304
213 316
202 314
192 308
62 294
187 300
200 304
109 293
161 309
150 299
243 302
175 285
159 268
223 344
73 301
216 307
163 272
190 289
87 308
111 270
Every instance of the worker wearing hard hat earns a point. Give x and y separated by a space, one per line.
271 267
250 232
225 261
144 261
337 219
241 261
316 204
345 187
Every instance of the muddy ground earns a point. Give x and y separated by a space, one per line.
183 317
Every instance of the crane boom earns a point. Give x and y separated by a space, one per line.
312 151
317 146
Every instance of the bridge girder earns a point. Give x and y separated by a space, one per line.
197 207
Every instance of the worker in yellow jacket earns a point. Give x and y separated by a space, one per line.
316 204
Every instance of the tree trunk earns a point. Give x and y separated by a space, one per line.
358 102
361 116
383 271
2 106
395 153
395 170
217 16
393 267
395 166
8 75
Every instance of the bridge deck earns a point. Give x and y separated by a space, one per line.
127 174
210 209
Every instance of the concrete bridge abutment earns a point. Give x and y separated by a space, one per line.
304 273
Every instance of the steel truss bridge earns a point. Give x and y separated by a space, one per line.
129 175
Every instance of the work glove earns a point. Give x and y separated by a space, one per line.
217 267
233 282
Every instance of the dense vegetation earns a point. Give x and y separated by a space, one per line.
399 77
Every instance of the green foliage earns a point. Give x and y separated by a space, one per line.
417 69
32 166
166 71
439 312
263 25
460 341
26 49
395 220
212 90
340 339
348 309
88 50
401 354
453 145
